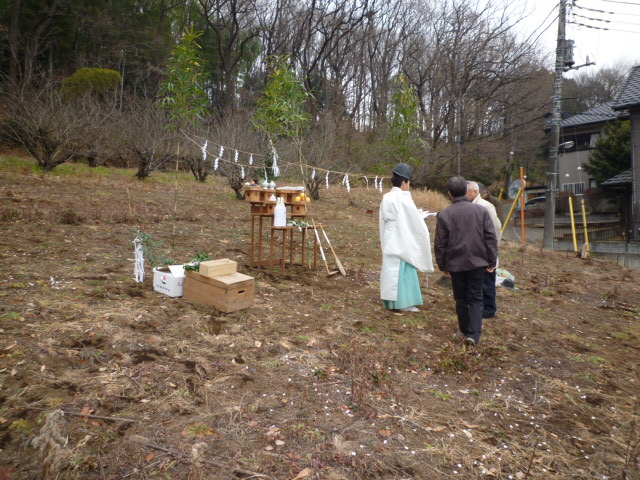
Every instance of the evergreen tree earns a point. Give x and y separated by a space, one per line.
613 152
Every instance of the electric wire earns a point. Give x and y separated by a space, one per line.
605 11
603 28
541 24
625 3
543 31
604 20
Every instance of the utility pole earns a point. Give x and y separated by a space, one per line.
552 174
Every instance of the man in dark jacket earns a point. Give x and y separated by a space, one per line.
466 246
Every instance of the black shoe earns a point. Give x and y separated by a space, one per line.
488 315
470 342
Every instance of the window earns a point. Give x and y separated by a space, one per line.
575 188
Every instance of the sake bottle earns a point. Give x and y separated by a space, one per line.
280 213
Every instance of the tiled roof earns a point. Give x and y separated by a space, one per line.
620 179
600 114
629 95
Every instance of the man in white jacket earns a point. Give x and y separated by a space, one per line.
489 286
406 245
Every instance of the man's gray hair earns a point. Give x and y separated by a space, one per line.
471 185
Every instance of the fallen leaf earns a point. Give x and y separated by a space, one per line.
467 433
280 442
304 473
285 344
385 432
13 372
268 448
311 343
258 344
436 429
87 410
3 420
468 425
519 475
150 457
43 368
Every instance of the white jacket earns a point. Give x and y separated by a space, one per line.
403 236
492 213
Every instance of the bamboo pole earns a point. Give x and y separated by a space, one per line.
513 207
585 226
573 224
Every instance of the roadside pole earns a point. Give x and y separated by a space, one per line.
552 174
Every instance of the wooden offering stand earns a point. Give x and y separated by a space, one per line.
262 206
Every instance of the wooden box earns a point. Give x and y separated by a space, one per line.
227 293
299 208
263 208
253 194
215 268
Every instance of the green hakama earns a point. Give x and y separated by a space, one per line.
409 293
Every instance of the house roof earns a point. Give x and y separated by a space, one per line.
623 178
600 114
629 95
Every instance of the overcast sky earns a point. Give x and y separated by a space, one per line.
620 43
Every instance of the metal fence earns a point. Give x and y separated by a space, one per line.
598 232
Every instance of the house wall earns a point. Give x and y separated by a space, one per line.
570 159
635 169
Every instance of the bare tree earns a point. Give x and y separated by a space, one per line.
143 132
238 133
53 128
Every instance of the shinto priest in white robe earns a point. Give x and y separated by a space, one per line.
403 236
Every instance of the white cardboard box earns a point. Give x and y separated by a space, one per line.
169 280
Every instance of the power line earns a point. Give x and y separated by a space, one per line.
604 20
604 11
604 28
542 32
541 24
625 3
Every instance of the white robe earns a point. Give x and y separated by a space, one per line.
403 236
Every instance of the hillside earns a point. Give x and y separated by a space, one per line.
316 380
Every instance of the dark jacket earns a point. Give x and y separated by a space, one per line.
465 237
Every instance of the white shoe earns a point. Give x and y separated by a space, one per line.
410 309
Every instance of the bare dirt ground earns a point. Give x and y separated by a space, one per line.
103 378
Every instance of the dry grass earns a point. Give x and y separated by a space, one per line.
316 379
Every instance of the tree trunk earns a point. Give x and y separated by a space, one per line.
13 40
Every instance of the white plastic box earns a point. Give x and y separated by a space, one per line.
169 280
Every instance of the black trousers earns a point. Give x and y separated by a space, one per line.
489 294
467 291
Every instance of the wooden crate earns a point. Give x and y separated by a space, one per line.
252 194
215 268
227 293
298 208
263 208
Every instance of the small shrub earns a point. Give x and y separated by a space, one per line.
95 81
